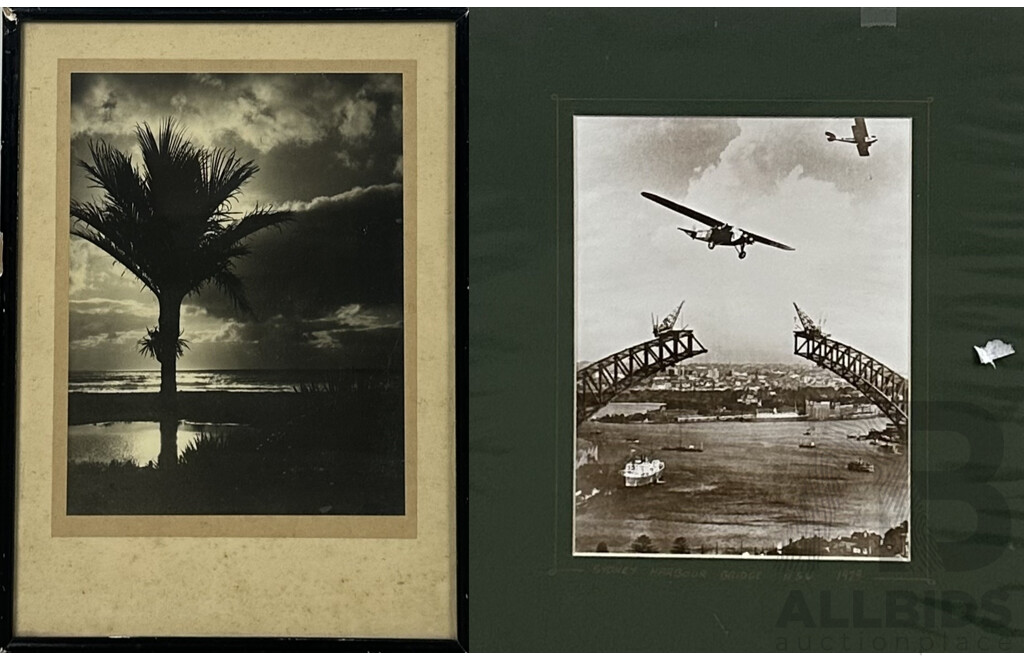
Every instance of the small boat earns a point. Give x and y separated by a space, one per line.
808 431
633 440
852 435
860 465
808 445
641 471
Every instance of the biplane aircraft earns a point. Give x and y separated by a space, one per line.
719 233
860 137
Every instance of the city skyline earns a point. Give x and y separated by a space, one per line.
847 216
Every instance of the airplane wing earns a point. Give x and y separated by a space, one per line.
860 129
679 208
860 135
767 241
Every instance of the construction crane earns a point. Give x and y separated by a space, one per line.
809 326
668 323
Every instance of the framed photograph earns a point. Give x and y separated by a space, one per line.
231 320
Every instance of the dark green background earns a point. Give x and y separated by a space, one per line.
960 75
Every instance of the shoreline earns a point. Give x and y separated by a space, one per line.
743 418
204 407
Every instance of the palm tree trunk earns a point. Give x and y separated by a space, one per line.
170 322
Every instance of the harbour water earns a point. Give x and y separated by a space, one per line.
752 489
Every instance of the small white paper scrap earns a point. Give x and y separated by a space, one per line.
994 349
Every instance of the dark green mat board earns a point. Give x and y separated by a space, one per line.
959 77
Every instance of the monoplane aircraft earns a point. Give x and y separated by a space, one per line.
860 137
719 233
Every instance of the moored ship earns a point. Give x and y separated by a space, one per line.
641 471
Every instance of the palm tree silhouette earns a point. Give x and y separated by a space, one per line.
171 225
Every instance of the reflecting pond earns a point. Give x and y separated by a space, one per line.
138 441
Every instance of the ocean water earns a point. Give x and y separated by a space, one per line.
140 440
220 380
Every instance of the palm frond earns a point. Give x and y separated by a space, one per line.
169 222
224 174
212 261
93 225
174 177
228 283
169 148
157 346
252 222
113 172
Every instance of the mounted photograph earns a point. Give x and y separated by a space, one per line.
742 336
237 340
235 328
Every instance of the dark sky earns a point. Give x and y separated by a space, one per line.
327 288
848 218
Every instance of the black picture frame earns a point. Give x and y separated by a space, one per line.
13 20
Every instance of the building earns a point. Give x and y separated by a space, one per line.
895 541
866 544
821 410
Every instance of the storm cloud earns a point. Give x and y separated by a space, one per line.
326 288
